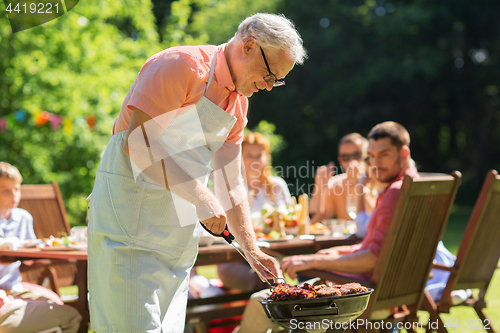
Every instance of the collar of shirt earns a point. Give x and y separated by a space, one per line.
410 171
13 212
222 73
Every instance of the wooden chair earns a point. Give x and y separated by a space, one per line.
402 268
44 203
477 256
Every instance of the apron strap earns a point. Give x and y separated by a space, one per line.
212 69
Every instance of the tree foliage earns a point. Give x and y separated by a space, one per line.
81 64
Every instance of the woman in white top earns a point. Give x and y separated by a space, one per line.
262 188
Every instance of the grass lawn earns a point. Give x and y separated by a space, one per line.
459 318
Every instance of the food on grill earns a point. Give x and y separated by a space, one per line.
319 286
284 291
352 288
327 291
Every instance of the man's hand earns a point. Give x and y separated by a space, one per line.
323 174
215 224
354 171
268 261
292 265
211 214
335 252
331 251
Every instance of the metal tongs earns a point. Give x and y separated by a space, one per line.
229 238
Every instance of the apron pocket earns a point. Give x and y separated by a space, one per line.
115 205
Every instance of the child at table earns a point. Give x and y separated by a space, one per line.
16 224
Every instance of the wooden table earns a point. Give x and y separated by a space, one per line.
222 253
209 255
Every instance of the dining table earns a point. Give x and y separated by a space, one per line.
207 255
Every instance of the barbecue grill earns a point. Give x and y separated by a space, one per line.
317 315
311 315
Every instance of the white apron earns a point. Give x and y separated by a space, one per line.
139 255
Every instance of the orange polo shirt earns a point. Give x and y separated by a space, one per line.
176 78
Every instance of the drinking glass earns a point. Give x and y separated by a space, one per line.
352 206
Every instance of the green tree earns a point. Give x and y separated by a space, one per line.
81 64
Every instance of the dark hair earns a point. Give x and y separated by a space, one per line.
390 129
356 139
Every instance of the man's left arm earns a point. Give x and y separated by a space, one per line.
360 262
230 190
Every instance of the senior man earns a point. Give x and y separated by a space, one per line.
186 108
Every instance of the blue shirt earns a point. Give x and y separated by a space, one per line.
20 225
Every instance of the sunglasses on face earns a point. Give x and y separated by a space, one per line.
349 157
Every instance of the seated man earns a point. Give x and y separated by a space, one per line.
333 189
389 154
350 195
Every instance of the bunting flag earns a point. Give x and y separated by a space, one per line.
41 118
67 125
91 122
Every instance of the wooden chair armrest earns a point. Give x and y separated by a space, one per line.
341 279
443 267
29 264
51 274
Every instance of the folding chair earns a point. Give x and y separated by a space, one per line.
477 256
402 268
44 203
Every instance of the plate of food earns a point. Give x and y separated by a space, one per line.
318 229
273 236
57 248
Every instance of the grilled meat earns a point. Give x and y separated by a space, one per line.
284 291
352 288
328 291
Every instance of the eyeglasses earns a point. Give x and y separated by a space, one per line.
271 77
349 157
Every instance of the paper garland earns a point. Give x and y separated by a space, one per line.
41 118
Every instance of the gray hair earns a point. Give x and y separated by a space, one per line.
273 32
